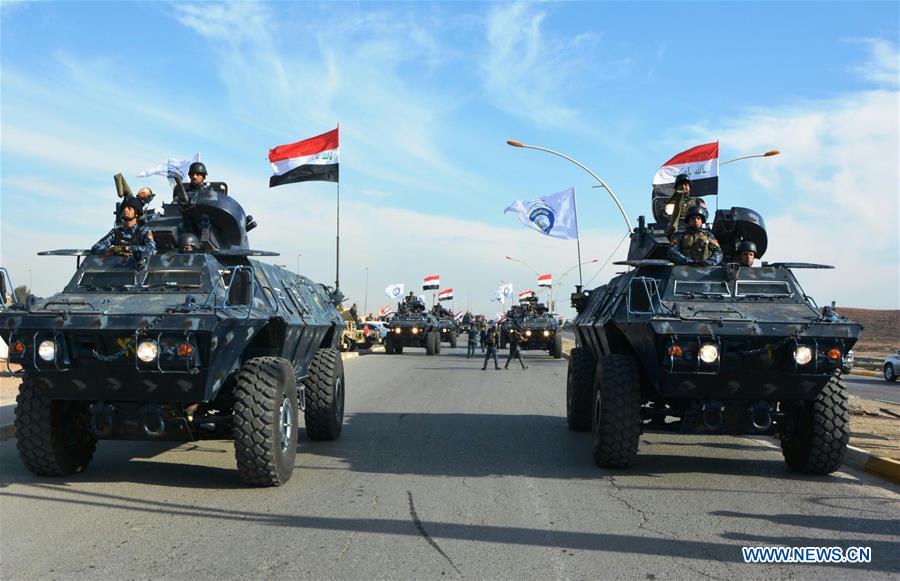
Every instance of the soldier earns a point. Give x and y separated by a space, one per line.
482 333
353 312
131 238
515 339
188 242
681 201
491 338
695 245
473 341
746 253
196 175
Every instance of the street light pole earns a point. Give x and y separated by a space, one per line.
766 154
582 166
366 300
559 280
536 273
299 254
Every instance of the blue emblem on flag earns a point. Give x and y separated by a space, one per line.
542 216
396 291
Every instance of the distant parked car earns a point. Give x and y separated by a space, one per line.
379 326
891 365
848 361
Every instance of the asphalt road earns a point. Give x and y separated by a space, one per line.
443 471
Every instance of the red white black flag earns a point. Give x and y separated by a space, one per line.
445 295
431 282
700 163
526 294
545 280
313 159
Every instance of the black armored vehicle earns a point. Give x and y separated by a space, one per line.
709 349
539 328
447 324
179 346
413 326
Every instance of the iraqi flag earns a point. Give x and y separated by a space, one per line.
700 163
313 159
445 295
385 311
459 316
545 280
431 282
526 295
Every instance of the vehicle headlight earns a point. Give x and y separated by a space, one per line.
47 350
147 351
415 330
669 209
546 333
709 353
802 354
397 330
528 333
443 330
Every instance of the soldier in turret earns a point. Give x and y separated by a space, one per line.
131 238
695 245
746 253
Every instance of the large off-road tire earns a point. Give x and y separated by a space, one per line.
431 343
325 394
580 380
890 374
556 347
616 422
453 339
437 342
265 421
818 431
398 349
53 436
389 345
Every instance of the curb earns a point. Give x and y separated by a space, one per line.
884 468
864 373
349 355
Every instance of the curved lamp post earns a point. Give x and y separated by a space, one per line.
766 154
582 166
536 273
570 269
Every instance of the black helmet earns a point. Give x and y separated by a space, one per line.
747 246
197 167
188 238
696 210
135 203
681 179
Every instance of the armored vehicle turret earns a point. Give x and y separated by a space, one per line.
709 349
413 326
179 346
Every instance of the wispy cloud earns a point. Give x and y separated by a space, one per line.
527 72
882 67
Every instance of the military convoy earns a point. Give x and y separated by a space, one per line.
538 327
448 328
209 344
709 349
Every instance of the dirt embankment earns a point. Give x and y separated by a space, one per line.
881 330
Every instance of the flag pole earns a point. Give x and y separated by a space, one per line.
337 246
577 238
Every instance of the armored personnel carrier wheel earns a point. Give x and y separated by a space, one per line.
616 425
53 436
453 339
398 349
556 348
265 421
818 431
325 389
580 389
437 343
890 375
431 343
389 345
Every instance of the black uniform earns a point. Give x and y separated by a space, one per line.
515 337
491 338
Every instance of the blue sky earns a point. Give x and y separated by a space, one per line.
426 95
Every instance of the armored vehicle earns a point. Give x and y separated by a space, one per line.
211 344
539 328
354 335
709 349
448 327
413 326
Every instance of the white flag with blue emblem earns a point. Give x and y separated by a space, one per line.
552 215
394 291
505 292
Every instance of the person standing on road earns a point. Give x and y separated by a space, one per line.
515 339
491 338
473 341
482 334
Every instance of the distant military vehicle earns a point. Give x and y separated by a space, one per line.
716 349
356 335
448 328
212 344
413 326
538 327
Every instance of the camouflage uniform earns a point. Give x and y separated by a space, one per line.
515 338
136 239
491 338
695 246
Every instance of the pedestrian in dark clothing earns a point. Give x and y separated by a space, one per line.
482 335
515 338
491 338
473 340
